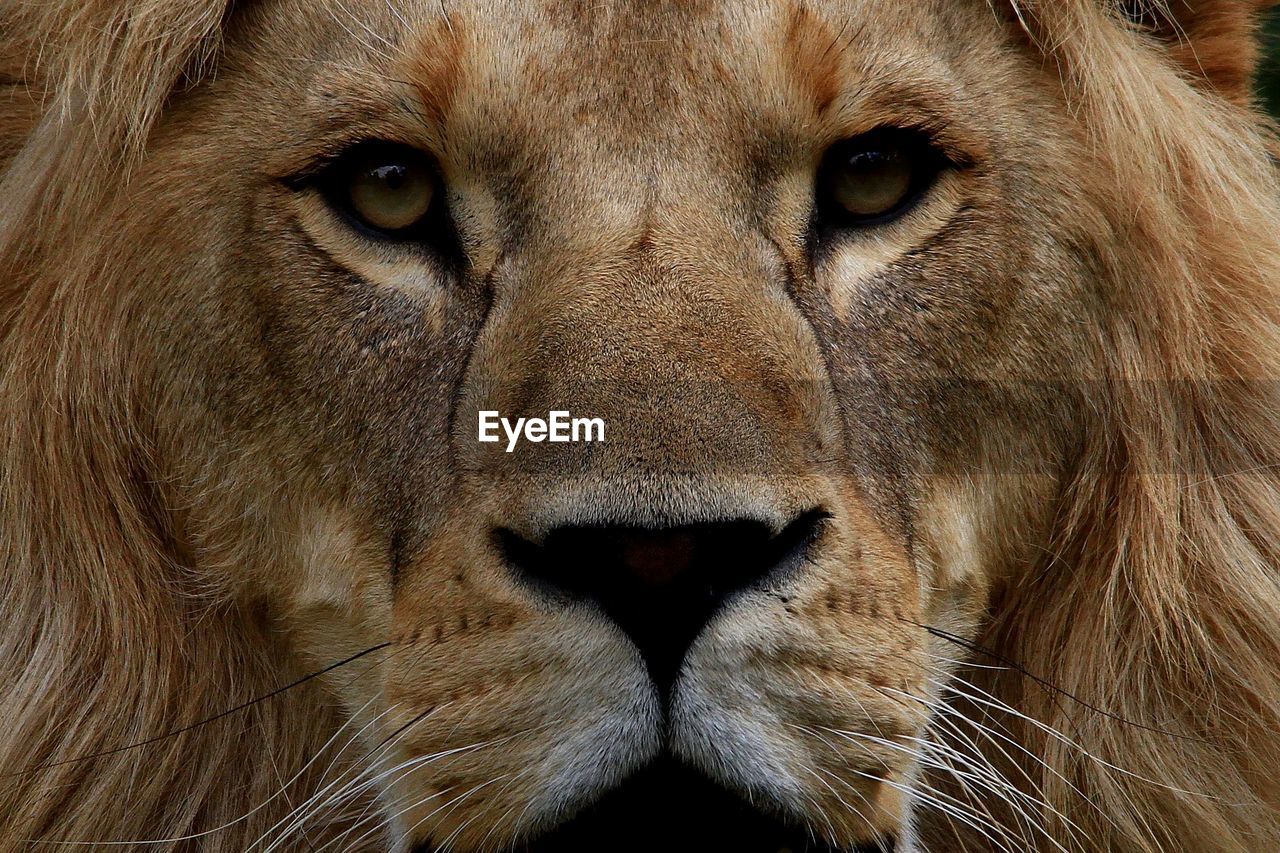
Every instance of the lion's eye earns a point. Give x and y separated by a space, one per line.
391 195
389 189
874 178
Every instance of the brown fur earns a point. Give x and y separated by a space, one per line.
238 440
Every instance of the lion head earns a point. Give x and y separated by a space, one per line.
935 498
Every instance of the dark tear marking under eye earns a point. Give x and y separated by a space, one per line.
792 284
487 300
396 553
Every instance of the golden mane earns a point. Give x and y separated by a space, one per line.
96 603
1155 616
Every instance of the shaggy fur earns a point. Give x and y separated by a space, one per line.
168 534
1170 614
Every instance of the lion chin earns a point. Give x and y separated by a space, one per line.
545 425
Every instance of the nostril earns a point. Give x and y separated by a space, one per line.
656 558
792 545
723 556
660 585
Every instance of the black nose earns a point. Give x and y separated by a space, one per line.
661 586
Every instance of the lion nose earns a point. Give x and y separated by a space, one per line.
661 586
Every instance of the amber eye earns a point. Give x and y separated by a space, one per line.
390 189
874 178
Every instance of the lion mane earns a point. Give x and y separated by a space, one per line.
1142 657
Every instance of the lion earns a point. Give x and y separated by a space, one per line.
934 349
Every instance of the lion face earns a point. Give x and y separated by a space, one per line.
795 258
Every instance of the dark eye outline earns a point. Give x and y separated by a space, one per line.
928 161
331 178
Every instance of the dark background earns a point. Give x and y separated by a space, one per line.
1270 78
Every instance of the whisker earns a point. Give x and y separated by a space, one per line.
978 648
979 696
405 768
996 785
944 803
357 38
363 782
310 806
943 714
949 805
848 806
348 789
454 802
219 716
506 786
